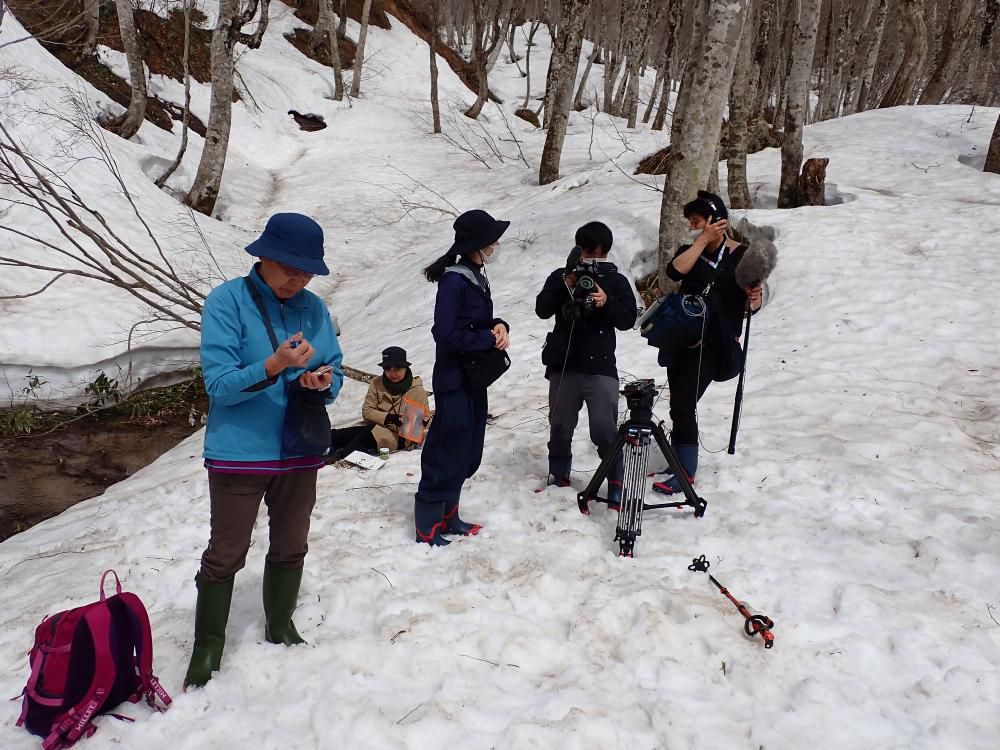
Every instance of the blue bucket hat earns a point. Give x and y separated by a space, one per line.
292 239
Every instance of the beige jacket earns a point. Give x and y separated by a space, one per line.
379 403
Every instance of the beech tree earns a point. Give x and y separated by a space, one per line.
228 32
562 76
954 38
900 91
993 154
359 56
694 134
136 70
432 44
326 32
796 91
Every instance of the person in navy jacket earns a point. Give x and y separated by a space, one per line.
248 381
463 322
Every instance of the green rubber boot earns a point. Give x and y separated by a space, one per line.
211 614
281 591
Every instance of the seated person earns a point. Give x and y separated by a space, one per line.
382 410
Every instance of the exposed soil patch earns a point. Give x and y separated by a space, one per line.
162 40
44 473
300 40
308 11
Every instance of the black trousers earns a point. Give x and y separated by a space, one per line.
358 438
688 383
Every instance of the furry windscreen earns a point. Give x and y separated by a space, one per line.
757 263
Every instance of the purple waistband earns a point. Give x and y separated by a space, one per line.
281 466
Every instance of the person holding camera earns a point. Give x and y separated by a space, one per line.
589 299
464 325
382 410
267 346
706 268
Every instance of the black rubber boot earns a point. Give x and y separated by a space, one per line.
211 614
428 518
281 592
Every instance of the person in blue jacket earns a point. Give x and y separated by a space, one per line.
463 322
248 381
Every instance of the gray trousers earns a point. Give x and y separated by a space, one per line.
573 390
235 499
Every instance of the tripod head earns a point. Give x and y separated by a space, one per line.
640 395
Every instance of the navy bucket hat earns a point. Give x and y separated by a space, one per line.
475 230
292 239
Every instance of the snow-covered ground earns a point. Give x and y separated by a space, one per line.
859 511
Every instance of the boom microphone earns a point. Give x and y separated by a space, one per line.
757 263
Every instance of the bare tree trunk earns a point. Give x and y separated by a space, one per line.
993 154
654 94
642 21
92 21
957 29
669 46
136 70
527 63
342 20
359 56
333 41
319 33
186 117
900 91
565 62
481 53
865 99
985 83
578 99
740 97
694 136
830 96
449 22
859 55
205 190
435 108
796 92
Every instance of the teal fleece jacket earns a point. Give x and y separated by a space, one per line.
246 409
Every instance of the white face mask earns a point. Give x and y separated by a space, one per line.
491 258
695 234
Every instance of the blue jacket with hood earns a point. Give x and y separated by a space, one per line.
246 409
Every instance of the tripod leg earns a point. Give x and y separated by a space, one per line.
690 495
602 472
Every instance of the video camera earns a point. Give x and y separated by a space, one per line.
587 272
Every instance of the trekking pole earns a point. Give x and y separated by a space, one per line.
738 403
754 624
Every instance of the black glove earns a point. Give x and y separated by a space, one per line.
393 420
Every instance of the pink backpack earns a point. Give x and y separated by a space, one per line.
85 662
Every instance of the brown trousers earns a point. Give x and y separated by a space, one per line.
235 499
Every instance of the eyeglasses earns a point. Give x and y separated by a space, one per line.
290 271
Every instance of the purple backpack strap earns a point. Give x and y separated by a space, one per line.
72 724
150 686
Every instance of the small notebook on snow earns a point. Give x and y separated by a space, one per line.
364 461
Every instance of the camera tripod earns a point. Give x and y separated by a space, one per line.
632 445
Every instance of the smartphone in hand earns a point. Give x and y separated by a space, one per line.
322 370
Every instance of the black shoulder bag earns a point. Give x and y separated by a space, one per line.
306 429
483 369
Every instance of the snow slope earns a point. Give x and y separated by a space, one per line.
859 511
